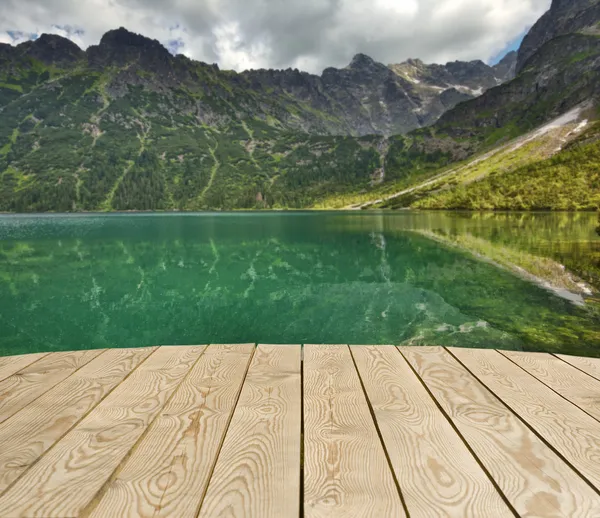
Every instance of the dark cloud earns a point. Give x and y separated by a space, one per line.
308 34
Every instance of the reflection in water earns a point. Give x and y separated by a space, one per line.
69 282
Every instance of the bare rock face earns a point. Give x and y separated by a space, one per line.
52 49
469 77
564 17
6 50
439 88
451 97
367 97
372 97
506 68
121 47
552 83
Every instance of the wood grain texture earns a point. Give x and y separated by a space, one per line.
532 477
20 389
572 432
346 472
572 384
257 473
9 365
433 466
68 476
168 473
26 436
590 366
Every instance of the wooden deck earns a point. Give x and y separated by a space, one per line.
319 431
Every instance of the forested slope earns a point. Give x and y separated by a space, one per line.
127 126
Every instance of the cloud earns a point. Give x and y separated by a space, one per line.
307 34
15 37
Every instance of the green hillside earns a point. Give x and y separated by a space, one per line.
127 126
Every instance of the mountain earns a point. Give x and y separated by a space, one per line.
520 161
442 87
126 125
363 98
506 68
564 17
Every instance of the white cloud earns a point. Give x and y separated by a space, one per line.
233 51
308 34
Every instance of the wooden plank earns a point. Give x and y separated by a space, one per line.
535 480
169 470
573 433
590 366
572 384
20 389
257 473
9 365
346 472
433 466
31 432
64 481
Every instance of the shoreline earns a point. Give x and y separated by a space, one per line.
308 209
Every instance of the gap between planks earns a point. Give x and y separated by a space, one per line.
566 380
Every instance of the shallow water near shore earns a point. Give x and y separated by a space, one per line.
126 280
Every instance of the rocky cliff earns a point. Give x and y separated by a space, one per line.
363 98
441 87
564 17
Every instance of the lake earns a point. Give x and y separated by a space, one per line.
125 280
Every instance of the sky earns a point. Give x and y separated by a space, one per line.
306 34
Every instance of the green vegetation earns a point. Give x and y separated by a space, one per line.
131 137
16 88
520 262
568 181
512 157
82 150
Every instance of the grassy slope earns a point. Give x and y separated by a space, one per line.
569 180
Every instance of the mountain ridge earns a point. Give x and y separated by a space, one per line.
376 98
129 126
563 17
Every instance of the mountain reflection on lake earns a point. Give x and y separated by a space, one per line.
124 280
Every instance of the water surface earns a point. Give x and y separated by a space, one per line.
123 280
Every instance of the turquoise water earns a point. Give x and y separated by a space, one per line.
121 280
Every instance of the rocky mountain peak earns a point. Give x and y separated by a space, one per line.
415 62
509 58
563 17
56 42
361 61
121 46
468 77
52 49
122 37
